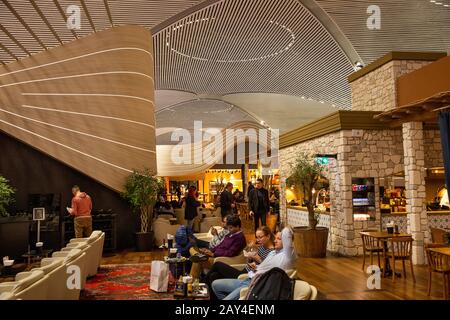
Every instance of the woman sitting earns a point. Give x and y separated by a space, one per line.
265 243
282 257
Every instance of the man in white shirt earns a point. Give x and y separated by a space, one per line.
282 257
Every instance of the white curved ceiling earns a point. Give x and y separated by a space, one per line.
248 53
253 46
211 113
283 112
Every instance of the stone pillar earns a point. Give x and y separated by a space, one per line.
283 206
414 157
245 179
334 180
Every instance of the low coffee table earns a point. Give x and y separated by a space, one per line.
34 256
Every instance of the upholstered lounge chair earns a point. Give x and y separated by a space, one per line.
94 253
162 227
30 285
78 258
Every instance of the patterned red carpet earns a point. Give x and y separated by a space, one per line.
123 282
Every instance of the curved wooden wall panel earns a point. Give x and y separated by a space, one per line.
88 104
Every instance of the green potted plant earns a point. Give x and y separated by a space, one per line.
310 241
141 191
6 196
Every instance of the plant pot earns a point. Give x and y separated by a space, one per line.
311 243
144 241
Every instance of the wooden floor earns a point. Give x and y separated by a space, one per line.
336 278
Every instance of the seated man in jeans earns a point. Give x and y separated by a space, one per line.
283 257
231 246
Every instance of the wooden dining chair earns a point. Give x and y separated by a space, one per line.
371 245
438 235
438 263
401 249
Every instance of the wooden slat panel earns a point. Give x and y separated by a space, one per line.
105 148
341 120
424 83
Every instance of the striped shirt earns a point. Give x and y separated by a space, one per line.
263 253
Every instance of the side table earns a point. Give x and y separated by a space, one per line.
34 256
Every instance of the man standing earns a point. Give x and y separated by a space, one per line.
81 210
250 187
226 200
258 203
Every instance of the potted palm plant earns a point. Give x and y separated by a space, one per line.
6 196
310 241
141 191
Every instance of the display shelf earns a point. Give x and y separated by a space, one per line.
107 224
363 199
393 200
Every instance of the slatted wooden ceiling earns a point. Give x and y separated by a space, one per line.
228 46
253 46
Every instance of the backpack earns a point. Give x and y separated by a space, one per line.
274 284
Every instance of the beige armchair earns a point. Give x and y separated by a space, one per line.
207 236
165 216
94 252
179 214
30 285
302 291
208 222
162 227
56 271
292 273
237 260
217 212
7 296
78 258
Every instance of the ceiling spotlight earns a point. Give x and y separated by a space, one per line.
262 122
358 66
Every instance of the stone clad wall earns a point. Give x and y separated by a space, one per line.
375 154
376 91
328 144
433 149
372 154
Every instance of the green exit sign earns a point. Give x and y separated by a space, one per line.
323 161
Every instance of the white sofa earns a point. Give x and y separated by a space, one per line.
30 285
